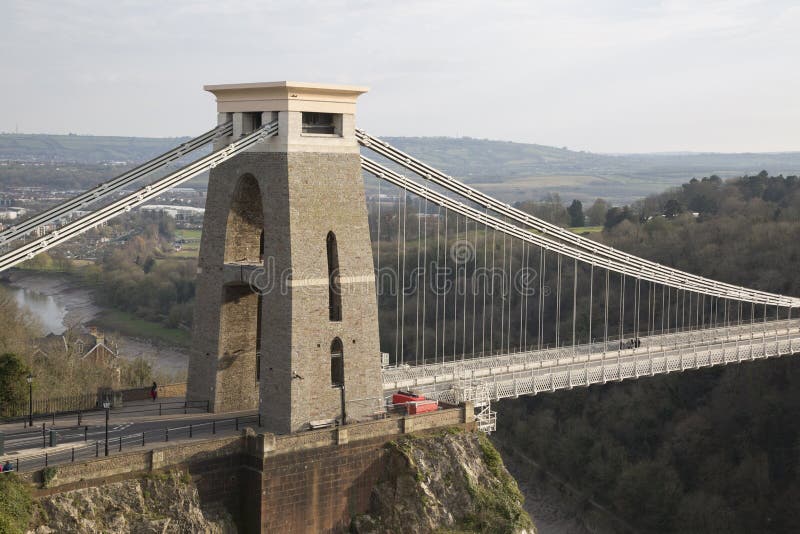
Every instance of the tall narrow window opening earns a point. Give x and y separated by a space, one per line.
337 363
334 288
258 337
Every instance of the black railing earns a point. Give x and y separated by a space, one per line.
143 407
71 403
96 448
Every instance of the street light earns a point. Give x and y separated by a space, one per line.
106 405
29 378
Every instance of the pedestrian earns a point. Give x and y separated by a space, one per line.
154 392
7 466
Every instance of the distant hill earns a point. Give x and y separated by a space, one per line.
506 169
46 148
517 170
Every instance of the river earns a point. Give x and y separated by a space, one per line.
59 303
49 311
53 301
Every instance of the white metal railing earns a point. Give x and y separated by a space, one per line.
533 372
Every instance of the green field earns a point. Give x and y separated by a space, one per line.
586 229
187 234
128 324
188 250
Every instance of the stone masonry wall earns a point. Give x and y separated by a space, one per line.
318 481
313 481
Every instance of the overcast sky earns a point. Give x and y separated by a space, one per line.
603 76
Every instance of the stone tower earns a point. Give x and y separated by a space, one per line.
286 314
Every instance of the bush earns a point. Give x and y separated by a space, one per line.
16 504
13 386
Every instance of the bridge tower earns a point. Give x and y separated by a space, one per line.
286 313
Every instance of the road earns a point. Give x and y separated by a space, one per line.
29 448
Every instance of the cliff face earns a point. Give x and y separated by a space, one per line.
160 503
449 482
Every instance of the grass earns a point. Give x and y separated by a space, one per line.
187 234
586 229
186 252
128 324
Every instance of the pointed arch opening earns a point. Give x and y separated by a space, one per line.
244 239
241 313
334 286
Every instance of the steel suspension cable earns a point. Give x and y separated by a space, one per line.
454 251
486 272
665 275
539 319
503 298
415 281
424 285
436 284
574 302
605 330
491 312
523 297
464 310
397 343
591 290
510 290
446 245
558 302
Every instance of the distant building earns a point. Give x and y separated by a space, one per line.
91 345
11 213
179 213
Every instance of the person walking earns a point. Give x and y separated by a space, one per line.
154 392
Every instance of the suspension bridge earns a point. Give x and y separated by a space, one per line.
476 300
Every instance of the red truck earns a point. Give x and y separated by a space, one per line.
415 404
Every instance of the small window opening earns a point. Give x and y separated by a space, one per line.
334 287
318 123
337 364
251 121
261 247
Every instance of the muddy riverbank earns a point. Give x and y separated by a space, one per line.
61 303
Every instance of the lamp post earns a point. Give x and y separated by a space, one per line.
29 378
106 405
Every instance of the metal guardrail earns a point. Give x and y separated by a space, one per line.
96 448
163 408
70 403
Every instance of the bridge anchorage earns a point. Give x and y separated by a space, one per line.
478 301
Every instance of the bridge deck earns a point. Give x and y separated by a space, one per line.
532 372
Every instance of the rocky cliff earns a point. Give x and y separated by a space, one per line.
163 503
450 481
453 481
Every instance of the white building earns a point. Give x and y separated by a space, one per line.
10 214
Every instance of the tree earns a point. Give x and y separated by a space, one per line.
614 216
12 379
576 217
672 208
597 213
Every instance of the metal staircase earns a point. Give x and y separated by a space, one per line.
477 393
